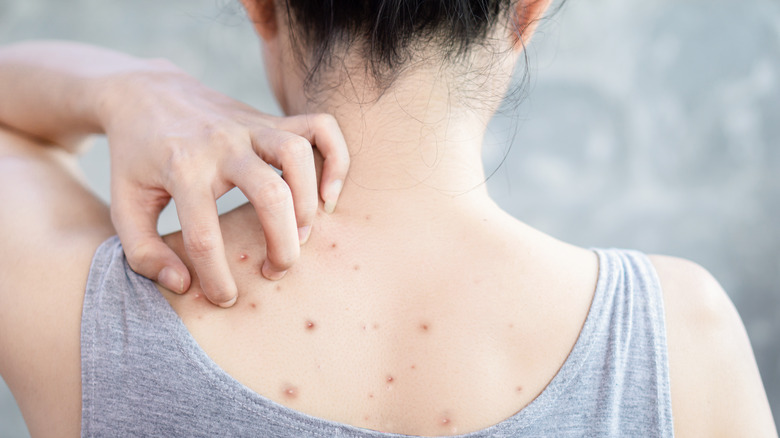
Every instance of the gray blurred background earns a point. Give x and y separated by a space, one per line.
648 124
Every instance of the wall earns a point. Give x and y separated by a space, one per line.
648 124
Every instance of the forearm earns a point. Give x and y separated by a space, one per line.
56 90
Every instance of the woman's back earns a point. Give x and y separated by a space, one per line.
366 341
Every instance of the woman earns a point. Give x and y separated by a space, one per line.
418 307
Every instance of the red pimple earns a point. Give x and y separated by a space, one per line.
413 367
333 245
290 391
309 324
424 327
368 217
243 257
253 305
390 379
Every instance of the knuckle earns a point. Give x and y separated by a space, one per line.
200 244
274 193
180 161
295 150
228 138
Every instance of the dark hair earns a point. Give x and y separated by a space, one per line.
387 32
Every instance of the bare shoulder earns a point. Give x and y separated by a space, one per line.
50 226
715 383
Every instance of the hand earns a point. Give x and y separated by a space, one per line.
171 137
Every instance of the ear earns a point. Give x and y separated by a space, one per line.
263 16
528 13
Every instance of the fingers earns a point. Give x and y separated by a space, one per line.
293 154
197 211
147 254
322 130
272 199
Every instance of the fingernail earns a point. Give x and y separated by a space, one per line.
270 273
332 195
171 279
229 303
303 234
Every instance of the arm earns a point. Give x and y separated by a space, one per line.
172 137
716 386
50 225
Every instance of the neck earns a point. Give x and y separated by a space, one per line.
413 143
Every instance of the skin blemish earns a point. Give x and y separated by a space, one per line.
511 326
310 325
370 395
196 296
253 305
278 288
364 327
290 392
356 267
368 217
243 257
333 245
414 367
519 389
424 327
376 326
389 379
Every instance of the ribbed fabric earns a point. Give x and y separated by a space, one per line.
144 375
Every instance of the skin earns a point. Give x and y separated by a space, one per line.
177 140
414 288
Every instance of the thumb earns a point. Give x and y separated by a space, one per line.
145 250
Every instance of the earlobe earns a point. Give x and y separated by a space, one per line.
528 13
263 16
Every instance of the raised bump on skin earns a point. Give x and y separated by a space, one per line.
290 391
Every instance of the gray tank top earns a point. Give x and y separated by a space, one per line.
143 374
